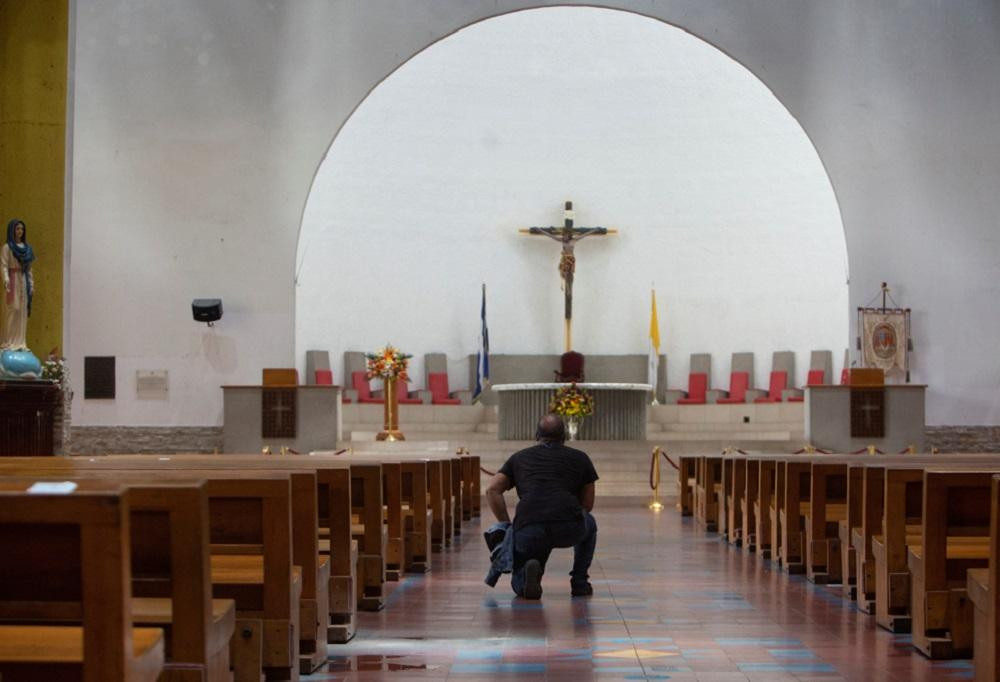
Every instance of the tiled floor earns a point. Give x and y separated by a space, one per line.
670 603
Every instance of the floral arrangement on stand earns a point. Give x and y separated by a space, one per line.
388 363
572 403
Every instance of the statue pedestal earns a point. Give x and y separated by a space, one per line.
27 417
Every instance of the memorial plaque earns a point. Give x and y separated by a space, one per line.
867 412
278 413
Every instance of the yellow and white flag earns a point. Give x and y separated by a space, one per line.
654 345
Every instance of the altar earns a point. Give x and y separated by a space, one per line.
619 410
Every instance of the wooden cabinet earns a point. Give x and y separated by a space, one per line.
27 417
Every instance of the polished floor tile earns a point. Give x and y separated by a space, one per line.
670 603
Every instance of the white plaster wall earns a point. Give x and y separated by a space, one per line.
719 195
196 122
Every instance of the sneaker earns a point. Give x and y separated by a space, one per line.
581 590
533 579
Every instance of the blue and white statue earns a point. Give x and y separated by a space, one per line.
16 257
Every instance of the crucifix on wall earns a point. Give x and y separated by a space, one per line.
568 236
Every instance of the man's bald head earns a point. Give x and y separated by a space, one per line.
551 429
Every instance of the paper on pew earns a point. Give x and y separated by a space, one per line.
52 488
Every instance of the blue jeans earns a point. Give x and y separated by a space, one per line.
537 540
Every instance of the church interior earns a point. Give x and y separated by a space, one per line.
288 284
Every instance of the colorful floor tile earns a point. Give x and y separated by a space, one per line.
670 603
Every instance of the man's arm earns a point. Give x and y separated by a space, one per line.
497 486
587 497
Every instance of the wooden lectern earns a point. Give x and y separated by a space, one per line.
867 376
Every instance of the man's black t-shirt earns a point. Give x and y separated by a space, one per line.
549 479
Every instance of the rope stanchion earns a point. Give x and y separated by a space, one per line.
654 479
487 471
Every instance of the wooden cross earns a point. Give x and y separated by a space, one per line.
568 236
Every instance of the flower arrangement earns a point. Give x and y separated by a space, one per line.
388 363
54 370
572 401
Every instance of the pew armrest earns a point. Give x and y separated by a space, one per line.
424 396
978 587
464 396
754 393
792 393
351 394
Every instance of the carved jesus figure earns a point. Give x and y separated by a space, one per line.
568 237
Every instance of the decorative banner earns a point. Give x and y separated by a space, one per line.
884 336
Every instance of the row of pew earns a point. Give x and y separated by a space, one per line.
913 540
185 568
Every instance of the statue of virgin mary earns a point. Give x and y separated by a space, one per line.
16 257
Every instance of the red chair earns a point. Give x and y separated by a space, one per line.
437 384
403 394
739 382
779 382
359 380
815 378
845 376
324 377
570 367
697 387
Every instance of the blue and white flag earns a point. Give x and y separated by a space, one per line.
483 356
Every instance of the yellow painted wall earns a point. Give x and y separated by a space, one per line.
33 73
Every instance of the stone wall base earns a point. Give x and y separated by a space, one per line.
963 438
91 440
103 440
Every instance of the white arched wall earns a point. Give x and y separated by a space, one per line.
197 129
720 197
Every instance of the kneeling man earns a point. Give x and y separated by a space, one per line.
555 489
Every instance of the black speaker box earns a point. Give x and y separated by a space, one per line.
206 309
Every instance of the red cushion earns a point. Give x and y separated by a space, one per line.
403 394
796 399
816 377
359 380
779 382
738 384
324 377
697 387
437 384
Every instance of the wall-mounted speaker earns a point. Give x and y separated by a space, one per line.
206 309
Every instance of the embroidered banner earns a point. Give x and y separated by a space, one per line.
884 336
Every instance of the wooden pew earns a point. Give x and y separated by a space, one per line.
171 587
749 504
171 580
827 509
954 538
983 585
734 487
764 504
845 528
336 583
251 562
79 542
686 464
708 485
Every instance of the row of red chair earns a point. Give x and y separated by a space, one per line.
437 385
739 384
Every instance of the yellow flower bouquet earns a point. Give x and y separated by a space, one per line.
572 401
